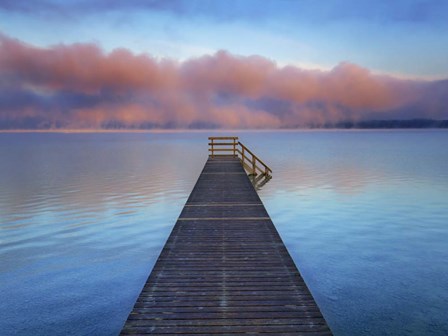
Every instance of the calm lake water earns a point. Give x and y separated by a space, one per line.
84 216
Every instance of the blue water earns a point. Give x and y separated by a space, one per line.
84 216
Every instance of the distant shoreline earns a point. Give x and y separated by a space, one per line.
416 124
390 124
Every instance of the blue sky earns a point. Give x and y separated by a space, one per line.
404 38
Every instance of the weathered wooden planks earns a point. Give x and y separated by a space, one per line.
224 270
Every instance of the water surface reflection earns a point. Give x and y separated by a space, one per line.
84 216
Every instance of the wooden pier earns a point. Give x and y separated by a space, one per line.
224 269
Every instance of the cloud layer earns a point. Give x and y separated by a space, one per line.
81 86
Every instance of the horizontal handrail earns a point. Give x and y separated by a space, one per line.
222 138
236 148
221 150
220 143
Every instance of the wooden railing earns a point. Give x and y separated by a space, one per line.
225 146
219 146
254 164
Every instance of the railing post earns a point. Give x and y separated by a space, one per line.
234 147
253 165
213 150
242 154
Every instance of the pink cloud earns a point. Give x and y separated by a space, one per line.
80 85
